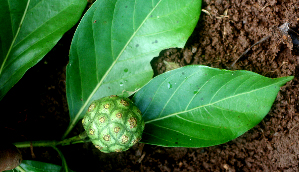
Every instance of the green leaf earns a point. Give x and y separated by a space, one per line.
28 30
36 166
199 106
115 42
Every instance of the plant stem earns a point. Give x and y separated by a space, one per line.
81 138
46 143
73 140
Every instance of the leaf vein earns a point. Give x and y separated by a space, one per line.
233 96
14 39
198 92
223 86
184 134
155 95
175 91
37 41
106 73
197 123
15 59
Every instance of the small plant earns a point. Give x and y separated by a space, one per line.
192 106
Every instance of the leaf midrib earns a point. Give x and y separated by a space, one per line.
176 131
49 34
209 104
110 68
15 37
37 55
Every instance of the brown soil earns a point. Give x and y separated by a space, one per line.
36 107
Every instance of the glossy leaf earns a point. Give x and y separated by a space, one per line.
114 43
199 106
36 166
28 30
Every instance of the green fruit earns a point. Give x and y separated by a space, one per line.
113 124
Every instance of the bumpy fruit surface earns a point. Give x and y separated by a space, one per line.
113 124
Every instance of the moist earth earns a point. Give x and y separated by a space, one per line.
36 107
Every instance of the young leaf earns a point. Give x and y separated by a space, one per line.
28 30
199 106
114 43
37 166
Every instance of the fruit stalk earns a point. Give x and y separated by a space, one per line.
76 139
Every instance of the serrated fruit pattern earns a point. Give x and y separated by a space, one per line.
113 124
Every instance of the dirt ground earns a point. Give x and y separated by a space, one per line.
36 107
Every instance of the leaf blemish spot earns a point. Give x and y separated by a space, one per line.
137 45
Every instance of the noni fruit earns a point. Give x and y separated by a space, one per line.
113 124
